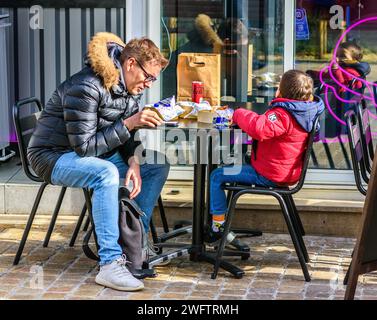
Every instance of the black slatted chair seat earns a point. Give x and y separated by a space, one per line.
241 187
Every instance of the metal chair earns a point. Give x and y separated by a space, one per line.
285 199
365 134
358 155
24 129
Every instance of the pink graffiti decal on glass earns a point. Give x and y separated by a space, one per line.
368 93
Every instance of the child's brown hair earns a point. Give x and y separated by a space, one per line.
349 50
296 85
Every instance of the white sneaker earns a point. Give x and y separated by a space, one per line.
116 275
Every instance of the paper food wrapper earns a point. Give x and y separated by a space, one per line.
206 116
217 111
192 109
166 109
187 106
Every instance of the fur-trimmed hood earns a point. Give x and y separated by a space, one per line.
103 53
204 27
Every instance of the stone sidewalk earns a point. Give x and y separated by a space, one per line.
272 272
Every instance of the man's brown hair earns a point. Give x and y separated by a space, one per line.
296 85
143 50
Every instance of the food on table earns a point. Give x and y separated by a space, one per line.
167 109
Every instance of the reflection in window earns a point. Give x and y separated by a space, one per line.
248 33
327 20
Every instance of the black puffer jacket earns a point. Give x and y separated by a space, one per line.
85 113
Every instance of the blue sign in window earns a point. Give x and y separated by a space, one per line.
302 26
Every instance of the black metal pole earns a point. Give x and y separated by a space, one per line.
198 205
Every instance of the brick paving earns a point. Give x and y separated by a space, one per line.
272 271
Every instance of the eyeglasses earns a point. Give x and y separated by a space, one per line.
148 76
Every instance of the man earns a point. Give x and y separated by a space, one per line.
77 137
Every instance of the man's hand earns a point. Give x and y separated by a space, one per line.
133 174
143 118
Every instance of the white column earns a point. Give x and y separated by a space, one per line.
135 19
289 34
153 32
143 20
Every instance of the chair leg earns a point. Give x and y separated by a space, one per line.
245 232
86 224
296 215
229 197
220 249
29 223
345 154
54 217
153 231
329 156
78 226
156 239
230 194
294 236
162 215
296 222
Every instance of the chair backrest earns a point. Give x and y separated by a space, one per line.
357 155
365 134
306 157
329 126
25 127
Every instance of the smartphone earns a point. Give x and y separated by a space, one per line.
171 123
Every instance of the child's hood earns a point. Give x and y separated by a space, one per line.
304 112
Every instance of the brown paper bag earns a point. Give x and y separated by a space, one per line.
204 67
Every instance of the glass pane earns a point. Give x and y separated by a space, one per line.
326 22
249 34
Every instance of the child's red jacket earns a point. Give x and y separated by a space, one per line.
282 134
353 70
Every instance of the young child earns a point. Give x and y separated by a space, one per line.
279 139
349 56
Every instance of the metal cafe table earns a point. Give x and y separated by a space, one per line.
197 248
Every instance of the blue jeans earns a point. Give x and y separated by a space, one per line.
244 174
103 175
